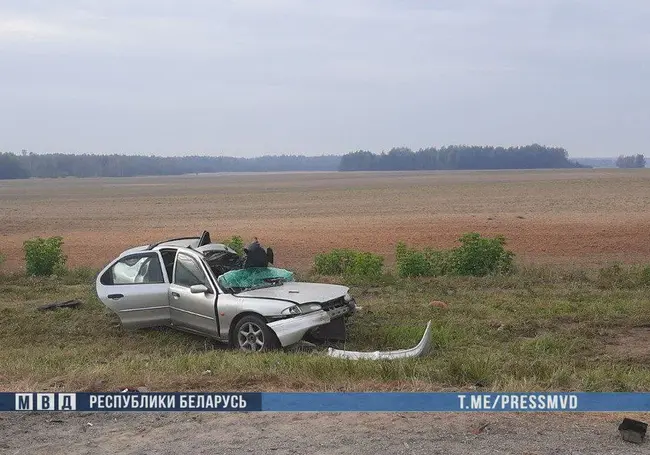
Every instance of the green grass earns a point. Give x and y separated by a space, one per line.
540 329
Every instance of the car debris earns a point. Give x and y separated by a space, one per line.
421 349
632 430
67 304
194 285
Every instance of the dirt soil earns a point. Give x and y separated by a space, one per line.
334 433
585 217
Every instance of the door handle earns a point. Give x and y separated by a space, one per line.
115 296
176 295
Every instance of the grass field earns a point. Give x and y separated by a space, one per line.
537 330
559 323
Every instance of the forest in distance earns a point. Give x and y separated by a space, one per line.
461 157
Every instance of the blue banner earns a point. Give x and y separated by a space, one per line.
327 402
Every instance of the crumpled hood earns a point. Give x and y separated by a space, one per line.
299 293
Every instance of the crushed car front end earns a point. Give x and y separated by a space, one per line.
292 330
332 304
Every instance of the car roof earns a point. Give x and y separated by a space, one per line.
181 243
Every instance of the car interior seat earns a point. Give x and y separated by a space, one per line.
142 273
149 274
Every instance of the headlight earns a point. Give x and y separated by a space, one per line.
291 311
347 298
309 307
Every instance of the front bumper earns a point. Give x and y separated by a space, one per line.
338 310
420 350
291 330
339 307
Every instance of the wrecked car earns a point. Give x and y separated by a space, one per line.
184 283
206 288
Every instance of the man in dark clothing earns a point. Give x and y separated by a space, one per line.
256 270
255 255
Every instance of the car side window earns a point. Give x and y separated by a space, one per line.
188 272
169 257
135 269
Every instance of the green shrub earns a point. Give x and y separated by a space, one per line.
236 243
349 263
365 264
429 262
480 256
333 263
477 256
43 257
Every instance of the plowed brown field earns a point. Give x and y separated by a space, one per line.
587 217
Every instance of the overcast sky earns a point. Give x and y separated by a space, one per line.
254 77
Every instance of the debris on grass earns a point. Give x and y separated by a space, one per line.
67 304
439 304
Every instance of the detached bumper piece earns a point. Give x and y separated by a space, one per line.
421 349
291 330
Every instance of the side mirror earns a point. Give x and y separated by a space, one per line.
200 289
269 255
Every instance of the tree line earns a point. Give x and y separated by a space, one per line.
630 161
458 157
62 165
533 156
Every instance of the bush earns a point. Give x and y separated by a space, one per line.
480 256
43 257
476 256
350 263
2 258
428 262
236 243
334 262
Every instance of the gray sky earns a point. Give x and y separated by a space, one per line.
253 77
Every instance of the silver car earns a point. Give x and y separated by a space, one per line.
176 283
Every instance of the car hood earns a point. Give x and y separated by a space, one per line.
298 292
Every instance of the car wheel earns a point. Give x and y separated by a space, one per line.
253 335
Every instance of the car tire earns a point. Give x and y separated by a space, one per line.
251 334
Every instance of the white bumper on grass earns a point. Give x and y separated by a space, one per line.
421 349
290 331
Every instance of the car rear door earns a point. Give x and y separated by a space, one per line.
196 312
136 289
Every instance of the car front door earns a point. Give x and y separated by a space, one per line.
190 309
135 288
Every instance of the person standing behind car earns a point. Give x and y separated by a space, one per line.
256 270
255 255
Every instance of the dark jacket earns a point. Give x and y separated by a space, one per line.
255 256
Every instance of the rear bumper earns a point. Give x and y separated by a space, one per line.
291 330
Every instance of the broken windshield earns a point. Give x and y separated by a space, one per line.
254 278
